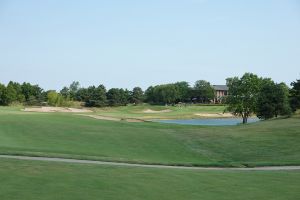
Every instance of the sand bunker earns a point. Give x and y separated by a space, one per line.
214 114
156 111
113 118
55 109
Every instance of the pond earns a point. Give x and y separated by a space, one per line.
209 122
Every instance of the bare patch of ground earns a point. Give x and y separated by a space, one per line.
157 111
55 109
214 114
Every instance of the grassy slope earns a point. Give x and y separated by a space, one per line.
45 181
267 143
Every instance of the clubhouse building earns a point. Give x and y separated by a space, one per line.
220 92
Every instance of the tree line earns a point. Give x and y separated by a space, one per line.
99 96
247 95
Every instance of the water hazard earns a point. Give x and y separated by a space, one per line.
209 122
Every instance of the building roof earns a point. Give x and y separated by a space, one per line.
220 87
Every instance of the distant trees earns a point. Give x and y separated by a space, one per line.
247 95
3 100
183 91
295 95
203 91
73 89
137 95
54 98
272 100
117 97
165 94
33 94
25 93
94 96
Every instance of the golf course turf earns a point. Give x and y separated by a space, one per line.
274 142
46 180
68 135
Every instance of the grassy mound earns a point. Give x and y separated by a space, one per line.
274 142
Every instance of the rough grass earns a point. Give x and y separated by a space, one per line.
274 142
37 180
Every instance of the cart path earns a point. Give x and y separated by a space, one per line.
67 160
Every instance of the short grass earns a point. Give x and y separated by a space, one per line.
36 180
274 142
132 111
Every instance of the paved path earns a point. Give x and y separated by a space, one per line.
66 160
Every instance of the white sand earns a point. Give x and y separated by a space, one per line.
157 111
55 109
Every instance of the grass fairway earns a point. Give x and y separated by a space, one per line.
45 180
173 112
274 142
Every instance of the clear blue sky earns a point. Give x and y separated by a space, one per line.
127 43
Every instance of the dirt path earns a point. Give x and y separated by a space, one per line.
270 168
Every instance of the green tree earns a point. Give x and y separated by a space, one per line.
272 100
166 94
137 95
117 97
2 95
94 96
33 93
149 94
243 95
295 95
203 91
17 87
282 106
114 97
82 94
11 94
53 98
65 92
73 89
184 91
56 99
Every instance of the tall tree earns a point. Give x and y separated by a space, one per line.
184 91
65 92
73 89
32 93
95 96
137 95
272 100
17 87
295 95
149 94
282 106
2 95
203 91
243 95
10 94
114 97
166 94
